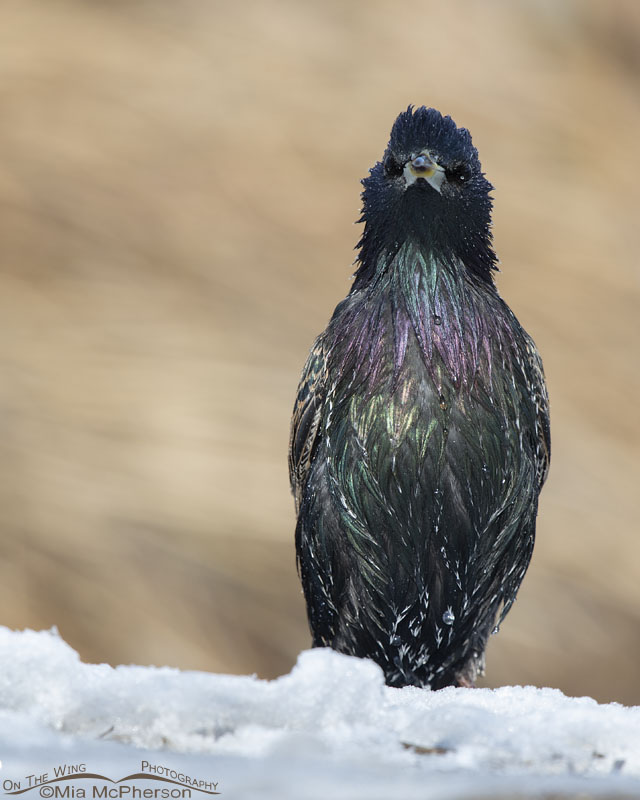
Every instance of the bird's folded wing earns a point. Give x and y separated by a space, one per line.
541 399
307 414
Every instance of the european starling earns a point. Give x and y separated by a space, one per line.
420 434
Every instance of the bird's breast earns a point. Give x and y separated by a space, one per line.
410 446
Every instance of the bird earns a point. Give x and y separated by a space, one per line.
420 436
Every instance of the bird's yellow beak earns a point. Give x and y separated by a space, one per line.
423 166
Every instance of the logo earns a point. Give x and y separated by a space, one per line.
76 782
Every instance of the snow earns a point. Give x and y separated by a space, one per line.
330 728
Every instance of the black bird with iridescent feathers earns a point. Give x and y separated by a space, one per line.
420 434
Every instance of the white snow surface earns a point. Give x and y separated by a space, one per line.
330 728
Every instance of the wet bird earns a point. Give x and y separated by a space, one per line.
420 434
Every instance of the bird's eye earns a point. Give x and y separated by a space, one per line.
392 167
458 173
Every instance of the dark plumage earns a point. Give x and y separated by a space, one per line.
420 434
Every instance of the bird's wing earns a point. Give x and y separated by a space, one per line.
540 398
307 413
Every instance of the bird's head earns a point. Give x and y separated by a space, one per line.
429 188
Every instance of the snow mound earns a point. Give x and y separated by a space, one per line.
331 726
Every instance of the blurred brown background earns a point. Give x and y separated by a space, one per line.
178 183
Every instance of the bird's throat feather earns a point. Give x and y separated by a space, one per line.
454 319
